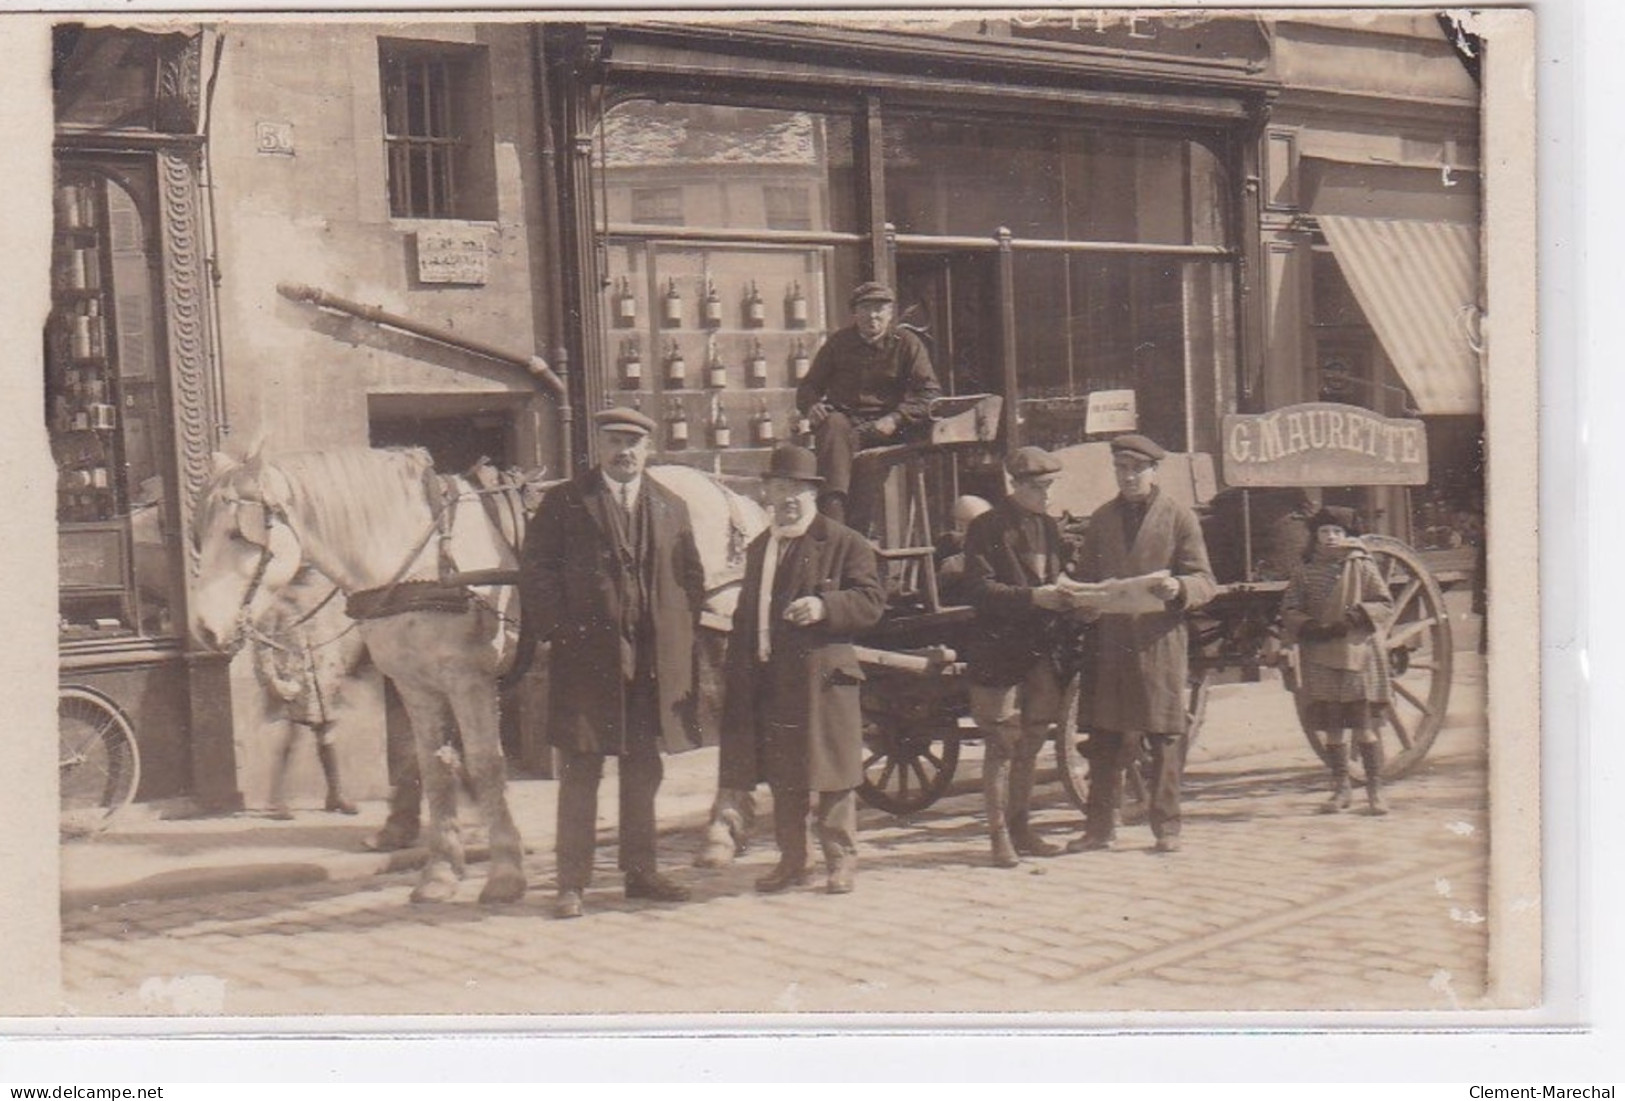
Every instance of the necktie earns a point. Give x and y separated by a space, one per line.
626 496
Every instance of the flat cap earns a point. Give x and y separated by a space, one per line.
1031 462
1143 446
871 292
623 419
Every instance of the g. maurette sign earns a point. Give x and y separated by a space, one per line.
1323 444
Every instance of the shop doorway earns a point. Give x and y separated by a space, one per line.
950 299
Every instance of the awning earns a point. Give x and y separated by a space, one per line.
1418 285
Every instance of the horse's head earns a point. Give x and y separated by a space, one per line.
246 549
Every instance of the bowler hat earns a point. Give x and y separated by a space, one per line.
871 292
1143 446
1337 516
795 463
624 419
1031 462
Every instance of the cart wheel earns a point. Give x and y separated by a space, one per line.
1069 741
99 766
1419 649
906 767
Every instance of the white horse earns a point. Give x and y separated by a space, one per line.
386 529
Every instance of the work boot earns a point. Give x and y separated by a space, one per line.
1371 758
996 798
1341 797
1022 836
727 835
328 756
782 878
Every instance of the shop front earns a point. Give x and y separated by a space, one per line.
1063 209
129 392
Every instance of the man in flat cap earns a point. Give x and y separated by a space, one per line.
791 713
612 579
1013 558
870 384
1137 686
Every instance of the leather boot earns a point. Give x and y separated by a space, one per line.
1371 758
996 797
1022 836
1338 752
328 756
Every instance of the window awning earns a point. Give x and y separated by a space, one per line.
1418 285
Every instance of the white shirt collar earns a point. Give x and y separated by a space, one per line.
632 487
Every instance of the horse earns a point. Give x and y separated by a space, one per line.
386 529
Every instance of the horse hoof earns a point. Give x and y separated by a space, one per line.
503 887
435 890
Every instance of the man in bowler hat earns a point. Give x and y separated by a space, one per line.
1013 557
1137 685
870 384
791 715
610 576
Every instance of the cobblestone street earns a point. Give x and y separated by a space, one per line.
1270 906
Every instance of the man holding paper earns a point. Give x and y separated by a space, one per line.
1137 686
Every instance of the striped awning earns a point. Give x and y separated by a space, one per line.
1418 285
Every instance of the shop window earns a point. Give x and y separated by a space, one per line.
107 411
437 130
657 206
1159 328
1049 182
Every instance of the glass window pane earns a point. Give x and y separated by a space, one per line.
1052 183
737 167
1158 326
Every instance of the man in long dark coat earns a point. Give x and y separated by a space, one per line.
791 715
612 579
1137 686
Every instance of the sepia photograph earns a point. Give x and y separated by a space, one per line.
732 516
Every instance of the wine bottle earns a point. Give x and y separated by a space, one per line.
716 372
626 303
676 368
711 308
631 364
721 433
795 307
799 363
757 365
762 431
677 426
672 305
755 308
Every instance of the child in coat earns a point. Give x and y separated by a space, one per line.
1333 608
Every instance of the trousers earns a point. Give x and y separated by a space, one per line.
1110 752
641 772
835 822
1015 720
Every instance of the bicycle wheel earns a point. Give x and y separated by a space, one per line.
99 766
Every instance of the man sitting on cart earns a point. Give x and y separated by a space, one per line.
870 384
1137 684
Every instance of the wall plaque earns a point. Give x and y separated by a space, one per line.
453 255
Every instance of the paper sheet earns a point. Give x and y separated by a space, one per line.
1116 596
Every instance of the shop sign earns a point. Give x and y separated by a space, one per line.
1199 35
1111 411
453 256
1323 444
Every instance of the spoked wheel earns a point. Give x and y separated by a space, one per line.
910 747
1069 740
1419 651
99 766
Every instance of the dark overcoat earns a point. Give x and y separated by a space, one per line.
796 721
1138 683
1012 633
571 582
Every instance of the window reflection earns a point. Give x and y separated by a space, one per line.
1042 182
